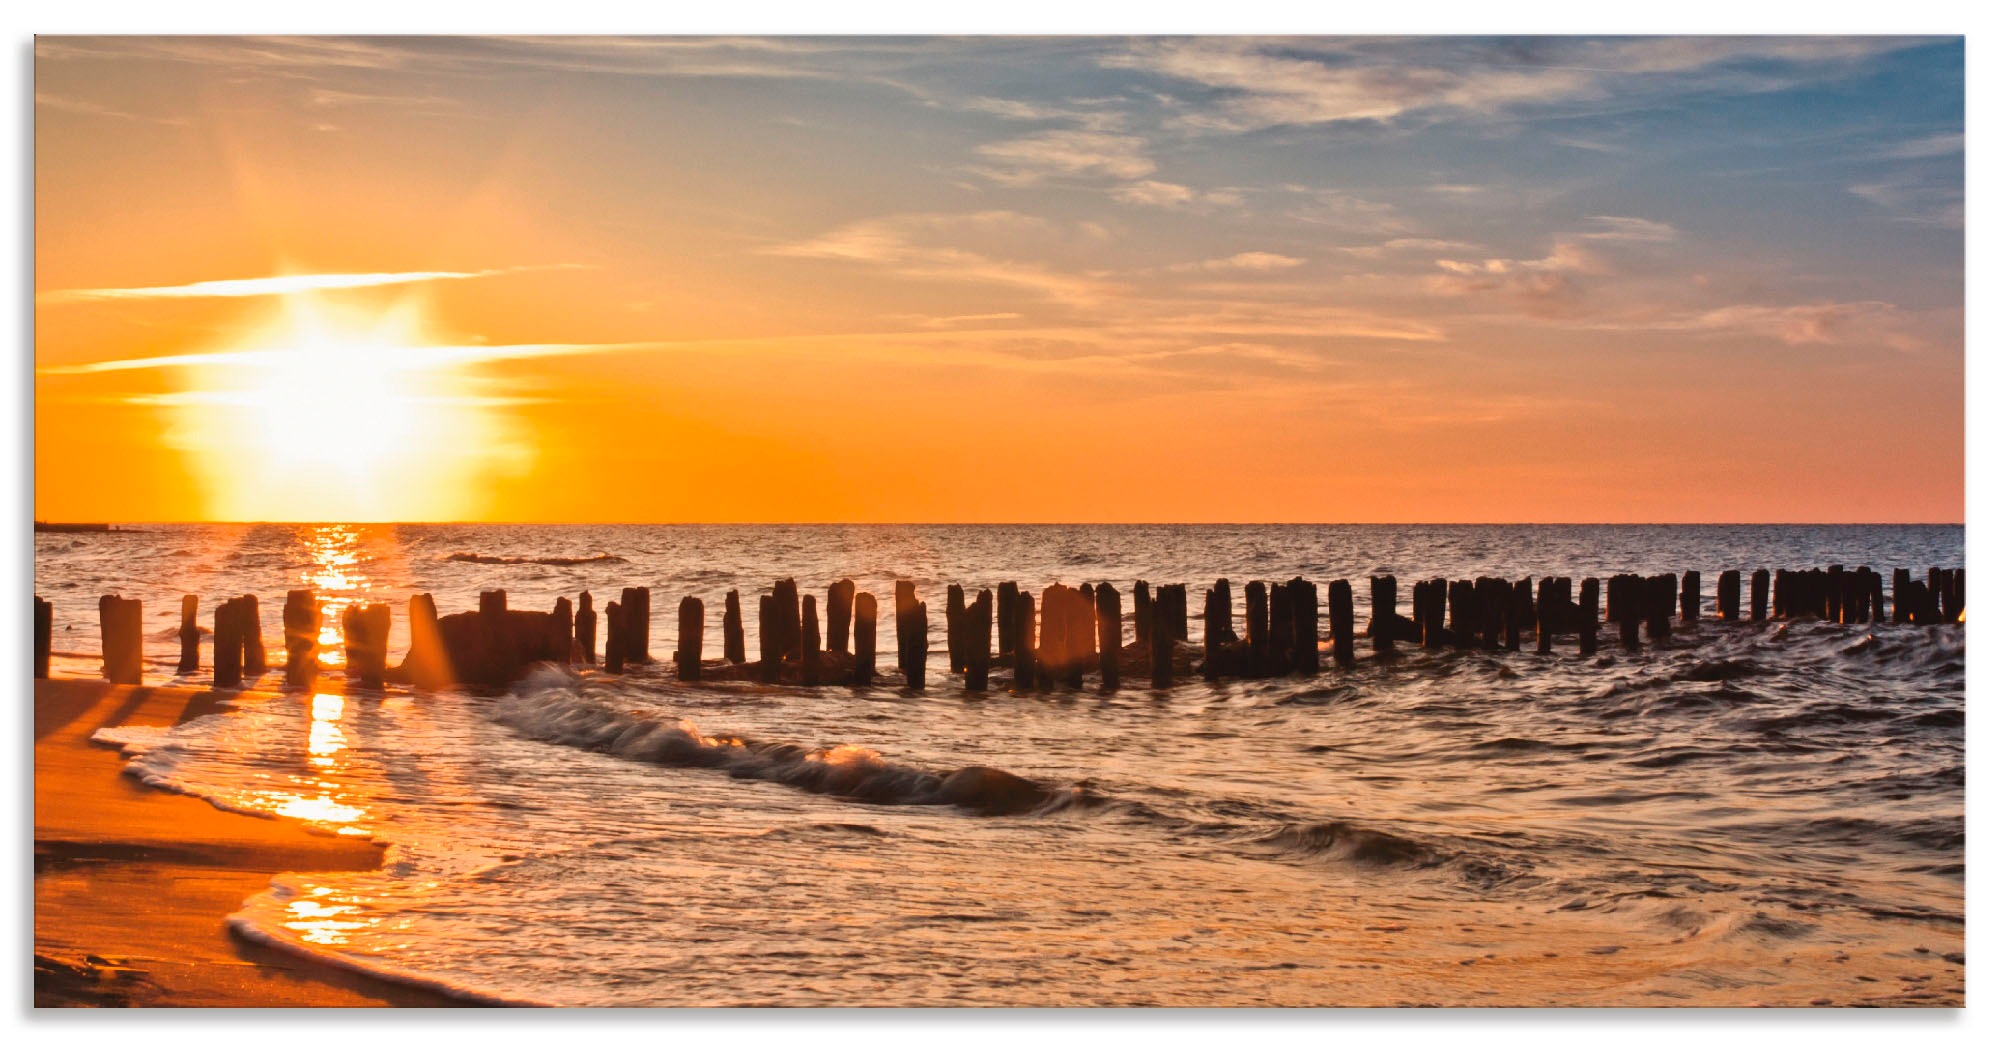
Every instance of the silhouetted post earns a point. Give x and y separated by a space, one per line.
809 642
912 634
190 635
120 640
1729 595
687 655
301 619
1464 609
1052 650
616 632
1257 626
1110 633
1340 615
1284 631
1082 628
1660 608
732 627
1626 594
1433 613
45 632
1305 626
1024 642
839 613
1493 597
1586 619
253 637
562 627
636 610
586 627
228 644
791 632
864 638
1213 608
1899 581
1545 613
1003 608
1229 612
978 640
1760 588
1162 648
1690 596
954 622
1382 613
364 628
502 656
1874 594
1142 612
767 638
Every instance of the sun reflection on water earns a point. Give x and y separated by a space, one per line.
334 575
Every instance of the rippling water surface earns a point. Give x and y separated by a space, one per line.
1755 814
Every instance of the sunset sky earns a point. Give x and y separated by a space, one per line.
1077 279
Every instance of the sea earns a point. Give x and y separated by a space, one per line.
1750 814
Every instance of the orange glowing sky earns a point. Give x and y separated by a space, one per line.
692 279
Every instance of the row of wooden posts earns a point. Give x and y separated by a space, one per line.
1080 628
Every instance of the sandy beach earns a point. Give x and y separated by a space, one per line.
132 885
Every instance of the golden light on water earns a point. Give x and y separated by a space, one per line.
334 575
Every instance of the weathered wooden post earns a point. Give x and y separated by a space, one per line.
732 628
366 645
1586 619
616 632
1162 646
1545 614
562 630
839 613
1760 589
809 642
954 622
636 610
1142 612
503 658
1283 632
120 639
1082 633
301 619
254 663
1729 595
1660 608
1110 634
1690 596
1257 626
1025 668
1305 626
1899 582
978 640
1340 615
45 632
426 665
1464 608
1626 595
1493 597
912 634
1214 607
767 638
1003 608
228 650
190 635
1382 613
1434 631
687 653
1052 650
864 638
586 627
1228 613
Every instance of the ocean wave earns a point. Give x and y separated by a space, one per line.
553 705
465 557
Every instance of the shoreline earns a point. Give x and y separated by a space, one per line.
133 885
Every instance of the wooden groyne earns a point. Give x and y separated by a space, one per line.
1078 631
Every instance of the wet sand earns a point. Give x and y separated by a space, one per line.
133 885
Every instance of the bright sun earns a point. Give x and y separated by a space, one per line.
331 416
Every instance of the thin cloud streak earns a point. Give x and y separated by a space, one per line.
279 285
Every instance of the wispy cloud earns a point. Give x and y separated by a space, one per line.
413 358
1251 260
924 246
277 285
1065 153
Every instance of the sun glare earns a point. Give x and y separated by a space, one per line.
333 416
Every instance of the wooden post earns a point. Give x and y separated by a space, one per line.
228 651
1586 619
1110 634
790 627
1660 608
1082 641
1284 632
978 640
1493 597
562 630
1760 588
768 639
1214 607
586 626
45 631
864 638
301 619
1382 613
616 632
808 642
1305 626
1025 669
365 631
1340 615
1052 651
1003 608
120 639
426 665
1257 626
732 627
636 611
190 635
1464 610
1142 613
254 663
687 655
1545 627
1729 595
839 613
954 622
1626 594
1162 645
1690 596
912 634
1435 593
1229 612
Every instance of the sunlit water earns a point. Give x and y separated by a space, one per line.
1756 814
